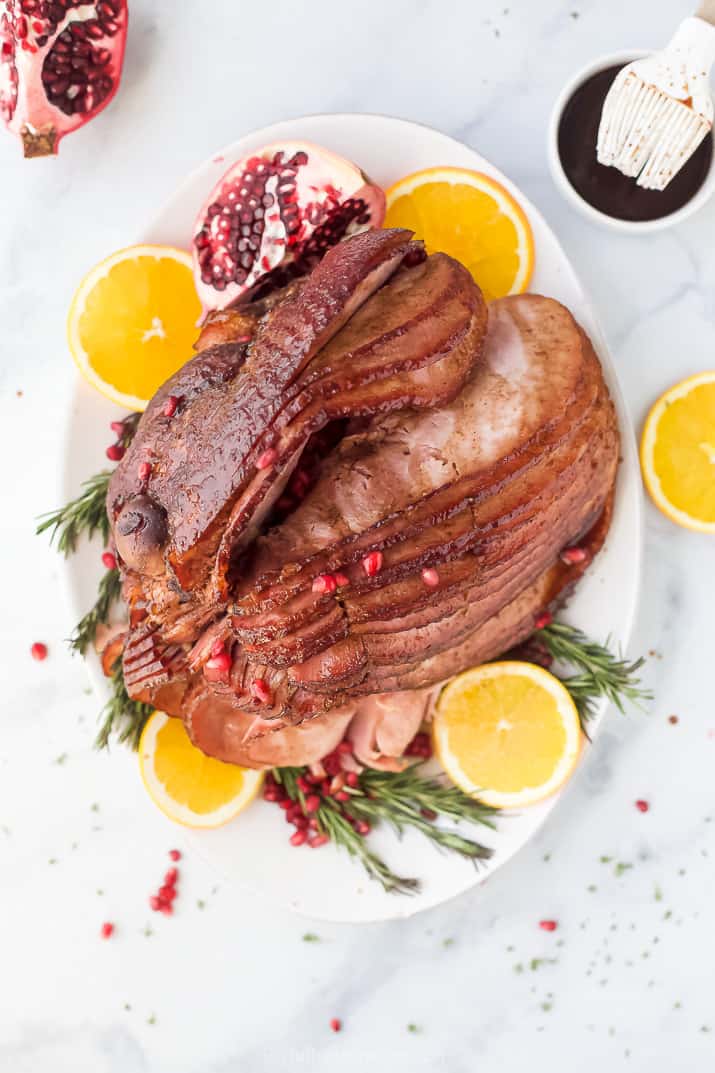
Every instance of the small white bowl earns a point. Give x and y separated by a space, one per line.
629 227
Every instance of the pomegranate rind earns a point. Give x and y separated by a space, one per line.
274 213
40 59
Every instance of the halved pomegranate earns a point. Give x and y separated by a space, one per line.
273 215
60 64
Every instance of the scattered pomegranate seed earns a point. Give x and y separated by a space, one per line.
543 620
673 719
298 838
107 930
325 583
175 854
38 651
571 556
167 894
342 795
336 1024
117 426
155 903
548 925
144 471
352 779
312 803
341 579
303 784
109 560
267 458
372 563
345 747
430 577
170 406
642 806
261 691
167 909
428 813
362 827
115 452
318 840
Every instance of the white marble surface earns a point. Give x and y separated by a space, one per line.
628 977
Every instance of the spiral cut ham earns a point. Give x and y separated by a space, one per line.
475 448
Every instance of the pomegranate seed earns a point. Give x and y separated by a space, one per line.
341 795
318 840
430 577
267 458
117 426
155 903
167 894
673 719
107 930
548 925
144 471
352 779
325 787
115 452
312 803
171 877
345 748
301 822
109 560
298 838
303 784
336 1024
313 824
270 794
341 579
175 854
642 806
372 563
362 827
571 556
217 666
166 908
325 583
286 803
261 691
428 813
543 620
39 651
170 406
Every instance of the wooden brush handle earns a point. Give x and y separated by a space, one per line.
706 11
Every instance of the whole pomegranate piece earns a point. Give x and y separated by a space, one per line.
273 215
60 64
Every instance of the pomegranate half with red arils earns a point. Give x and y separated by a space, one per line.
60 64
273 215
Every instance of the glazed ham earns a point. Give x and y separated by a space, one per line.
460 458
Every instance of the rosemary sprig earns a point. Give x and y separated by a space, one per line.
84 515
401 799
86 629
121 715
600 672
87 513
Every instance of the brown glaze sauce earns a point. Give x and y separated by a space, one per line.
606 189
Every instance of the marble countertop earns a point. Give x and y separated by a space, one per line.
230 984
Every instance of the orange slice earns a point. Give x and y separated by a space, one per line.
133 322
472 218
507 733
678 453
189 787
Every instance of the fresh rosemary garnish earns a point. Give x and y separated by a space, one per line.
600 673
85 631
402 799
85 515
122 716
